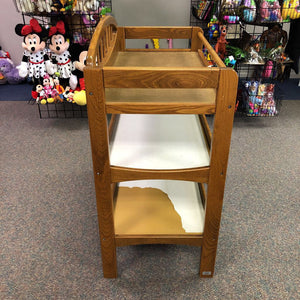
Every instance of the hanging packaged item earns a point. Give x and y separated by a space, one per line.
203 9
270 11
249 12
290 10
230 11
60 6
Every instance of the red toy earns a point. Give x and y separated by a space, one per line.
221 43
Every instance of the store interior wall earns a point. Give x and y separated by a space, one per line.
9 41
152 13
127 13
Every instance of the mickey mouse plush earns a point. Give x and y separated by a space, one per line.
59 52
35 62
79 54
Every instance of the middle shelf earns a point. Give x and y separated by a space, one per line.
167 142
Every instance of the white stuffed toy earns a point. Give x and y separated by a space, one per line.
25 6
44 5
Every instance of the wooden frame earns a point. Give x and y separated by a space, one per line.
116 87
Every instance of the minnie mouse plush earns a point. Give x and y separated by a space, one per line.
59 52
35 62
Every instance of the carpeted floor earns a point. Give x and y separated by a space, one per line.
16 92
49 242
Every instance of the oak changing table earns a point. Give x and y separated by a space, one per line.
159 172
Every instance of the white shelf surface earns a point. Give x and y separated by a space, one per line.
185 198
159 142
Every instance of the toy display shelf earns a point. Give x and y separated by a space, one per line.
159 172
34 9
61 110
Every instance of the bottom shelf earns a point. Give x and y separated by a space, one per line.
158 207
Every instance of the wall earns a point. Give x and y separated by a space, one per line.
9 41
152 13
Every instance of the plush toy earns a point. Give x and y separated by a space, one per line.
60 89
274 36
63 5
221 43
80 97
10 72
25 6
4 54
79 54
68 94
60 55
35 62
43 5
39 94
47 85
92 5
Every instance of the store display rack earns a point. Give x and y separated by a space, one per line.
80 26
243 34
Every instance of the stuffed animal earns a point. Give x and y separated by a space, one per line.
43 5
79 54
35 62
221 43
3 56
69 94
25 6
80 97
39 94
10 73
274 36
60 89
60 55
63 5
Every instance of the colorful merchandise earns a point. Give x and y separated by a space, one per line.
33 6
230 11
270 11
290 10
249 12
213 26
260 99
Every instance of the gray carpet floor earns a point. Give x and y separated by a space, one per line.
49 241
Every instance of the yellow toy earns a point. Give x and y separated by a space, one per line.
80 97
156 43
290 9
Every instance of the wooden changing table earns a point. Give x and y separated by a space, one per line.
159 172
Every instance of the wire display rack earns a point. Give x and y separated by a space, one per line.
80 26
